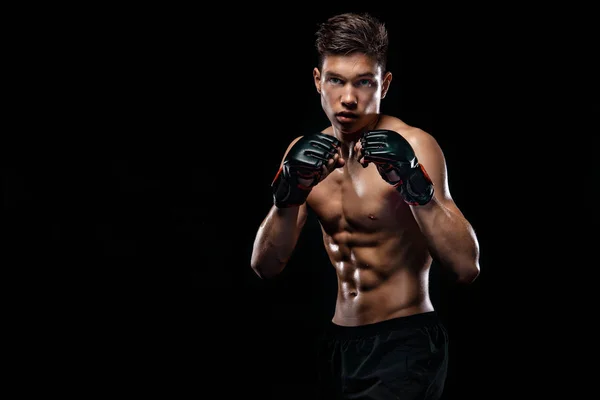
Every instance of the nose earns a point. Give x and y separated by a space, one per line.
349 99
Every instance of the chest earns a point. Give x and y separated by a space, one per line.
357 198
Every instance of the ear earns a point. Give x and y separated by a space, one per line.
317 79
387 79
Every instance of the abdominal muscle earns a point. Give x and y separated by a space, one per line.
378 277
380 256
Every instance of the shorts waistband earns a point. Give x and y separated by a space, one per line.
411 321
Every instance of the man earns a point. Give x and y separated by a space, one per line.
379 190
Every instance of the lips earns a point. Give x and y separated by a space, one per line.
346 117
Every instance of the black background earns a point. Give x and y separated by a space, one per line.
140 170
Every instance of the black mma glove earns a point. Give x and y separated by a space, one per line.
397 164
304 161
302 169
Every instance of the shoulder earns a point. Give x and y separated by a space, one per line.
418 138
327 131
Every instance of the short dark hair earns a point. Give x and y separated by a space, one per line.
348 33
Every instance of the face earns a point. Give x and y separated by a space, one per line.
351 89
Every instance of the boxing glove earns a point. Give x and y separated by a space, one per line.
302 169
397 164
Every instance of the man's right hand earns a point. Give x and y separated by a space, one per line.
307 163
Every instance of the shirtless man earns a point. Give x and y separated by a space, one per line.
379 189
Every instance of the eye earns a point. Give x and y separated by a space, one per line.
365 82
335 81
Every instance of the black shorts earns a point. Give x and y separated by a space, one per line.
403 358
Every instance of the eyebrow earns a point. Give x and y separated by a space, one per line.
363 75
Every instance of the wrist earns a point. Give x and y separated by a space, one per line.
286 194
417 188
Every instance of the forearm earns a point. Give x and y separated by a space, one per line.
451 239
275 241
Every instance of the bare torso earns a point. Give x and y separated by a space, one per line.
378 251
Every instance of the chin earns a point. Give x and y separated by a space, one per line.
349 129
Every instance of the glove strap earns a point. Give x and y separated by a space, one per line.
287 193
418 188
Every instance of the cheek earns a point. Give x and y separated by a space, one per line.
327 97
325 103
371 102
332 91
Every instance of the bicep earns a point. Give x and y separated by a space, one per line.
431 157
292 143
302 217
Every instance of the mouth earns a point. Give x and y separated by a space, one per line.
346 117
